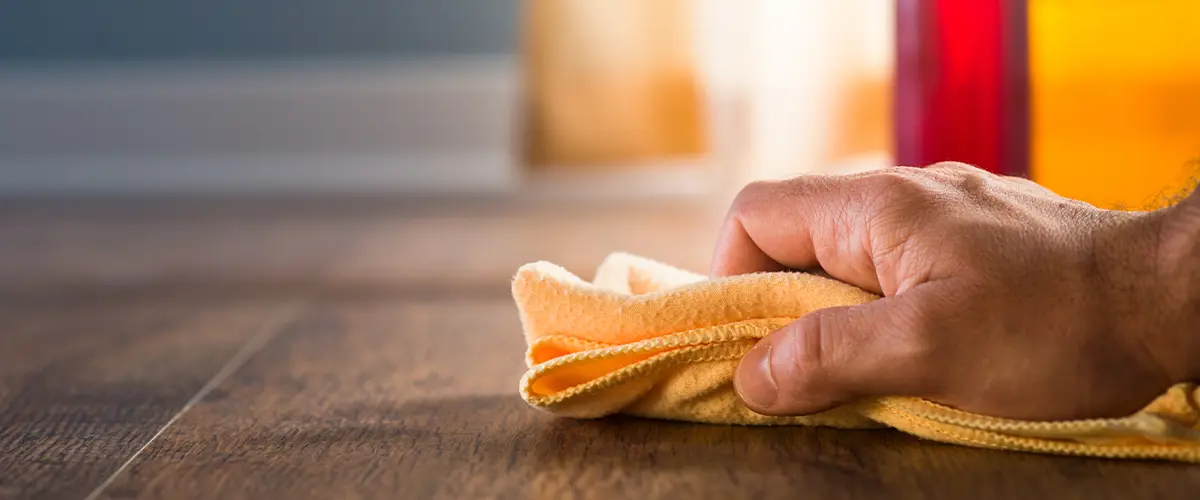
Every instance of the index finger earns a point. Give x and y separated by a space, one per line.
804 223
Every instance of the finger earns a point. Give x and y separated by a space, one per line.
809 222
737 253
837 355
761 214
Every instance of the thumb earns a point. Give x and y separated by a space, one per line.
830 357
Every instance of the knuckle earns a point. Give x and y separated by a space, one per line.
759 187
813 328
808 344
967 180
900 187
976 184
900 204
954 166
764 192
753 195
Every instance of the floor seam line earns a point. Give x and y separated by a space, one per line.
266 332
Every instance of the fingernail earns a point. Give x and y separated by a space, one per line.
754 382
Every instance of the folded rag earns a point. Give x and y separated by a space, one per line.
650 340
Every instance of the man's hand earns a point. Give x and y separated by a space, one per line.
1001 298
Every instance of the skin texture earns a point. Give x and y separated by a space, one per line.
1000 297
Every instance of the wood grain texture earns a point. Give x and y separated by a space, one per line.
114 315
400 399
397 376
83 386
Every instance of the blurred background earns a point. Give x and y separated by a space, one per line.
1099 100
297 220
457 103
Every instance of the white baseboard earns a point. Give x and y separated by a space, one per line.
407 127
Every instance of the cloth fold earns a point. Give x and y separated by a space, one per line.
647 339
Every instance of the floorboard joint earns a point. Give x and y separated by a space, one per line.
265 334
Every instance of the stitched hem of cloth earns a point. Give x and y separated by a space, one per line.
1142 425
994 440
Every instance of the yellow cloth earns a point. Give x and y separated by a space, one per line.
650 340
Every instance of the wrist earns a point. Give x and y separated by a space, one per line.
1150 277
1178 263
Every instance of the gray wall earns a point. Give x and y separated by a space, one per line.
33 31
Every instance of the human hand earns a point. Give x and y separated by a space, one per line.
1001 298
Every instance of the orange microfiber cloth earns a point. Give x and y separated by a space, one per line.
650 340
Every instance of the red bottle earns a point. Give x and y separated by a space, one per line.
962 84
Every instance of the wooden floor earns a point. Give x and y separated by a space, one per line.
370 350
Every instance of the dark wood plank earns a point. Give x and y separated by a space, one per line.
114 315
84 385
399 398
399 380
